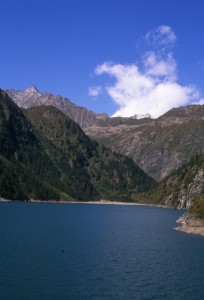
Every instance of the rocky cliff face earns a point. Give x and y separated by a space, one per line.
184 195
182 188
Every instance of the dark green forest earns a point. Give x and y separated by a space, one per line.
44 155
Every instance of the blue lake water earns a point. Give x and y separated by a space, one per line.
80 251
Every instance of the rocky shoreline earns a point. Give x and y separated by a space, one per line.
190 224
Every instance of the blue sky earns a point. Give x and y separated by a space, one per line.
121 57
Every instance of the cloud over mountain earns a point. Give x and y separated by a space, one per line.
152 85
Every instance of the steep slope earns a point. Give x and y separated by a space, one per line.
49 157
25 169
110 173
183 187
158 146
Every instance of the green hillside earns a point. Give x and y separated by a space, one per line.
111 174
45 155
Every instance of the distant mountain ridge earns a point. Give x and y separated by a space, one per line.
31 97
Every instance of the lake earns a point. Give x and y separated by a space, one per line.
80 251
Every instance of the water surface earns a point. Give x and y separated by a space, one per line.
80 251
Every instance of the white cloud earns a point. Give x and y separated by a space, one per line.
94 91
163 36
138 93
161 67
152 88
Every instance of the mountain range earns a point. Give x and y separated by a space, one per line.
168 148
32 97
161 145
46 155
83 117
158 146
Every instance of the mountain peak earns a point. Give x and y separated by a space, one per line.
141 116
32 90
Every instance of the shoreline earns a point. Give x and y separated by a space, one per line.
99 202
189 224
108 202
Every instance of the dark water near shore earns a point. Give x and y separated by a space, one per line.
79 251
